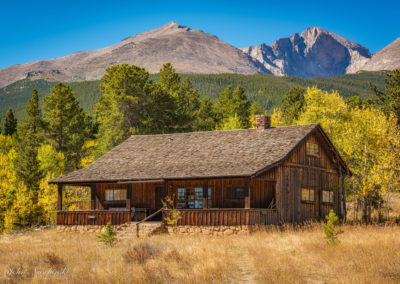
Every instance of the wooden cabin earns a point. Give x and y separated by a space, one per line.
261 176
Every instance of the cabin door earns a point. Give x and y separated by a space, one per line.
160 196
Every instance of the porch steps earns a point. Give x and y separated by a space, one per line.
129 230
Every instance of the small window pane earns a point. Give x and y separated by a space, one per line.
307 194
109 195
328 196
312 149
115 194
325 196
181 194
199 192
311 195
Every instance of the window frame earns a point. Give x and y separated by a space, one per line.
309 195
312 149
235 196
114 193
191 194
331 194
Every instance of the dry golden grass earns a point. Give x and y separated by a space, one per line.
365 255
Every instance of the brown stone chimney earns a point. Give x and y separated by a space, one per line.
263 121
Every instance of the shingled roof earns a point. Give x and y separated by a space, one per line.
205 154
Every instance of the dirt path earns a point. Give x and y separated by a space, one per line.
247 273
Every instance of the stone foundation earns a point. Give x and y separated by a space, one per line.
150 228
217 230
123 231
84 228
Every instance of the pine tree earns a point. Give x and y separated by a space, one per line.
120 109
67 125
230 104
292 105
187 104
30 136
187 100
241 107
224 105
10 126
169 79
389 99
206 119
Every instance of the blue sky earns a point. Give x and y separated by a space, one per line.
38 29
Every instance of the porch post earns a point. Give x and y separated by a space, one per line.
60 188
93 196
205 194
128 196
248 193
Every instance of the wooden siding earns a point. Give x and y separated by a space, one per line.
299 171
262 191
93 217
142 195
226 217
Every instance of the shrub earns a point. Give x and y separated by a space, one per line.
109 238
174 214
54 260
140 253
330 230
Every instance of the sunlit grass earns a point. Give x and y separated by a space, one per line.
365 255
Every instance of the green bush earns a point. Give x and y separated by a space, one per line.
109 238
330 230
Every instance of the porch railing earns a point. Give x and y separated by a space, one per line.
94 217
226 217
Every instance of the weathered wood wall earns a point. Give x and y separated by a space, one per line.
262 191
303 171
143 195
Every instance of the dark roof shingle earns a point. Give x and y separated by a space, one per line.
192 155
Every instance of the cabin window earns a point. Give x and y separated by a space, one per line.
312 149
307 194
235 193
328 196
191 198
115 194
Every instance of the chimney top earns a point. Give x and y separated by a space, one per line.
263 121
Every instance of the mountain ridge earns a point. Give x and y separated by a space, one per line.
190 51
314 52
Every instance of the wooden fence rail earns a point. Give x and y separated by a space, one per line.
226 217
95 217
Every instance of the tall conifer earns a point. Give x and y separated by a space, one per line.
10 126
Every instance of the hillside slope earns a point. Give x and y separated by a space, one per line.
267 90
387 58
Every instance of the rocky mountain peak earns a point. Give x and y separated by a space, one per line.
315 52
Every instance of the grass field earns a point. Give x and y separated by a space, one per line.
365 255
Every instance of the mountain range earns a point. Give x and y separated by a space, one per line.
314 52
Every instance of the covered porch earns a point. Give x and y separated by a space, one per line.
202 202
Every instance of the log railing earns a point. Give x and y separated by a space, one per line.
93 217
226 217
147 219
